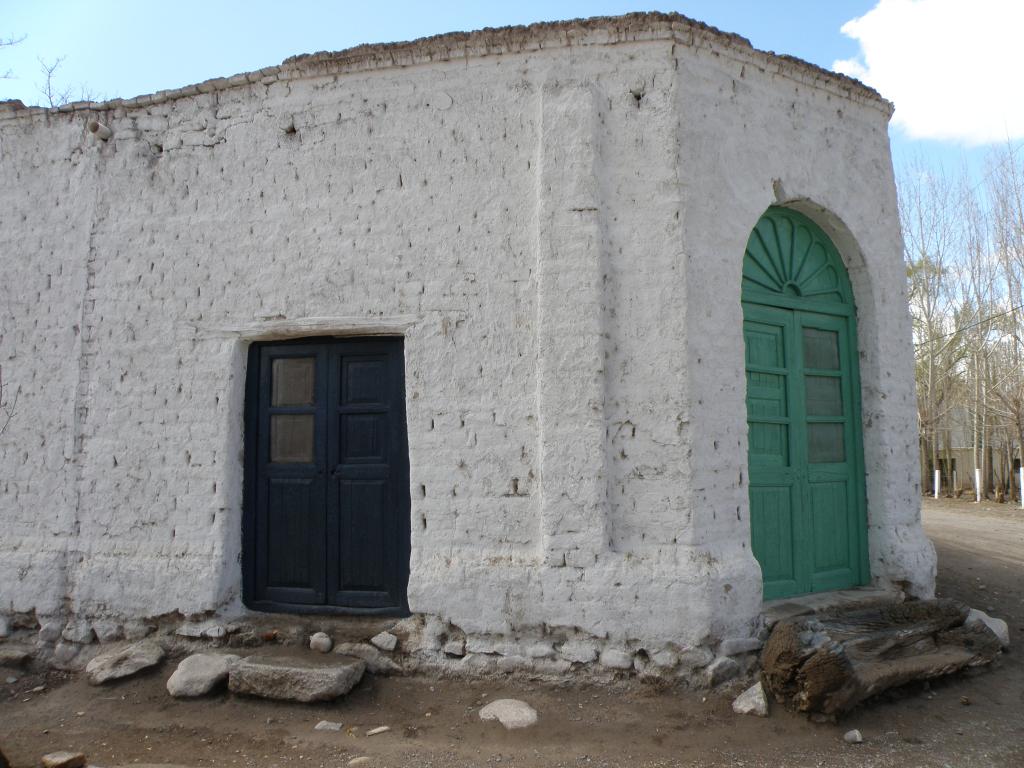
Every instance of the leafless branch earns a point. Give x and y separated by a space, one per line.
6 42
55 96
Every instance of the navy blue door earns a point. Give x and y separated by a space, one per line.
327 478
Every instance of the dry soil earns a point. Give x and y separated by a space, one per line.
975 720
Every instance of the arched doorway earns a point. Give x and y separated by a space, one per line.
805 455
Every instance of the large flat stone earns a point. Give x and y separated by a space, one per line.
127 661
291 678
512 713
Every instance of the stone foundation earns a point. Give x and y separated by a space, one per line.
425 645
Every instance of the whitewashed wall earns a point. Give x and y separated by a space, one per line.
557 229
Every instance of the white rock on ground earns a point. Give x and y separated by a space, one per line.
327 725
321 641
511 713
999 627
127 661
853 737
385 641
376 662
296 679
199 674
752 701
378 729
63 760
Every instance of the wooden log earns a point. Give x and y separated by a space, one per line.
829 663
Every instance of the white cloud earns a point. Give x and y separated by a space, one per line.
954 69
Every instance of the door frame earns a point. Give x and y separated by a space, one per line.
754 297
250 441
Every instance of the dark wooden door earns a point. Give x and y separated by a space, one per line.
327 491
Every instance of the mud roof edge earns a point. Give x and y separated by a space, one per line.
598 30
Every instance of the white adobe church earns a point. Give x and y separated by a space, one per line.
590 333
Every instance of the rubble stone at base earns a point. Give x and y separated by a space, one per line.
127 661
199 674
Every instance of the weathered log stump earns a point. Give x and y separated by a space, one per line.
829 663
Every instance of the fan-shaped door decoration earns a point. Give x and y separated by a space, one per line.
805 460
788 255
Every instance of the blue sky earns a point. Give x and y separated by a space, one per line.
114 48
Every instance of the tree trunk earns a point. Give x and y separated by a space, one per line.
830 663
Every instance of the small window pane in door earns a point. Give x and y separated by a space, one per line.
824 396
294 379
291 438
825 444
821 349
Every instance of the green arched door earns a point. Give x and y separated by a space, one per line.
805 456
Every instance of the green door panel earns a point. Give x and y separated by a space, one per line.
805 456
772 536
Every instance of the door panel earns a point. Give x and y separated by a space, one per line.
775 493
830 506
365 535
327 500
290 482
772 535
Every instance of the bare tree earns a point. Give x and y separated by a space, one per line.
55 96
7 42
1007 194
927 203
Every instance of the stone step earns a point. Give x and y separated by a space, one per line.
292 677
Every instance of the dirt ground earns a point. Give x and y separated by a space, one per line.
965 721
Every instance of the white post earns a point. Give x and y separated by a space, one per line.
977 484
938 481
954 484
1021 487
